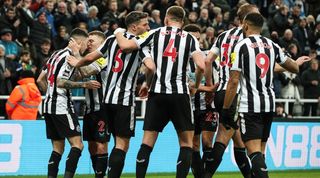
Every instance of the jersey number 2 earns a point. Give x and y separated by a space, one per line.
170 51
119 63
263 62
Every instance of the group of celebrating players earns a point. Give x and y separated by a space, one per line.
239 105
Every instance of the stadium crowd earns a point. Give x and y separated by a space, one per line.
31 29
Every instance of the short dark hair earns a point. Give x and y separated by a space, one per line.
255 19
77 32
192 28
26 74
244 10
134 17
177 13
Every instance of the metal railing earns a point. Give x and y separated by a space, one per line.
143 104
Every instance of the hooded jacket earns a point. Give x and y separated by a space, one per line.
24 100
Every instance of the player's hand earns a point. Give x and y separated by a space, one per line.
73 61
74 46
143 92
92 84
119 30
228 120
302 60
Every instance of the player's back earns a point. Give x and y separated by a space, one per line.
222 48
58 100
120 75
255 56
171 49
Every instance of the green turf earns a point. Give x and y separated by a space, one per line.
272 174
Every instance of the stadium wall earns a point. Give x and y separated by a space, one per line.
24 149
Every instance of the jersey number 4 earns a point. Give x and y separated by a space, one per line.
118 63
263 62
170 51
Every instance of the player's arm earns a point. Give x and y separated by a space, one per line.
231 88
290 63
198 59
68 84
42 82
208 67
78 61
125 44
149 70
93 68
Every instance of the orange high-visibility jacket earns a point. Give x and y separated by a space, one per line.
24 100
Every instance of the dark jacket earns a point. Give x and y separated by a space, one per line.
311 91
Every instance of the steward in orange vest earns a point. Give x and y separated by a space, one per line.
24 99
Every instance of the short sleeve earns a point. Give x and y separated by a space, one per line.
280 55
145 39
144 53
66 71
236 58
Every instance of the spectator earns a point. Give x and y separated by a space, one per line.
25 98
204 20
310 80
43 54
5 5
290 89
113 13
93 20
10 46
303 35
48 9
26 62
280 113
7 75
61 40
10 21
155 20
288 39
281 21
39 30
103 27
23 10
192 17
63 17
114 24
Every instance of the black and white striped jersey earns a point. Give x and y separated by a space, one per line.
120 76
58 100
171 49
94 97
198 101
222 48
255 57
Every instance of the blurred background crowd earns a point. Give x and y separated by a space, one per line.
30 30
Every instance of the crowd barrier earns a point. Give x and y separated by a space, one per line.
24 149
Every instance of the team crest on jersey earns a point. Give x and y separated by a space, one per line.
144 35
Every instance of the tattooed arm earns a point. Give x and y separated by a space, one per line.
67 84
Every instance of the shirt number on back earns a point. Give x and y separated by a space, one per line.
119 63
170 51
263 62
225 59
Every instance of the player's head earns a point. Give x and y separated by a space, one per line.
245 9
80 37
95 39
253 22
175 14
193 29
137 22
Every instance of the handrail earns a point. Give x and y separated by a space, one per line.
143 103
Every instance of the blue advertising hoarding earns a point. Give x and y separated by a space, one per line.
24 149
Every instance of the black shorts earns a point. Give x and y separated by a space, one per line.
61 126
205 120
218 103
255 126
121 119
161 108
95 127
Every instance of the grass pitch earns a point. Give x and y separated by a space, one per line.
272 174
